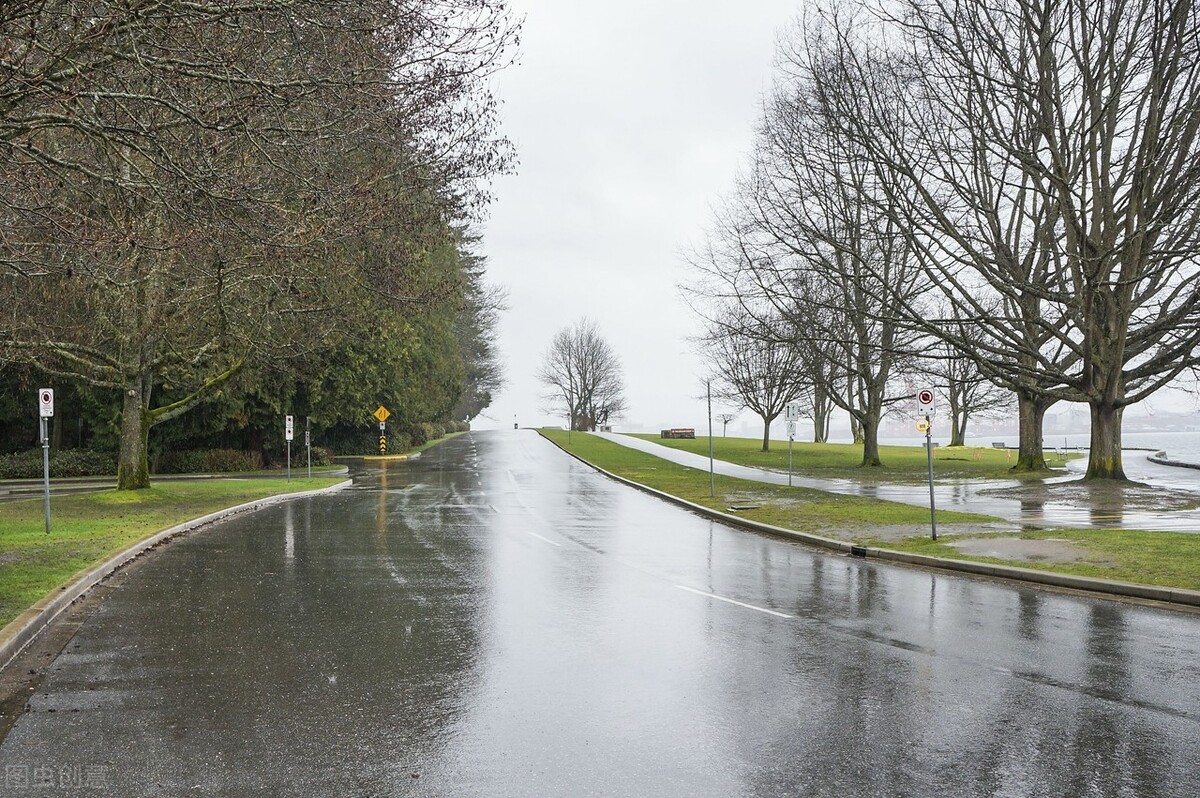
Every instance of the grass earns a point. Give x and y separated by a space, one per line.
87 529
1168 559
843 460
796 508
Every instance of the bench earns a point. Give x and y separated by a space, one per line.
999 445
679 432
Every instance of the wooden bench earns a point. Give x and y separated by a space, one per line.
679 432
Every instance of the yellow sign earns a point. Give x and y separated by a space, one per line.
382 414
923 425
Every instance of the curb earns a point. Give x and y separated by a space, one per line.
1104 587
1163 461
25 627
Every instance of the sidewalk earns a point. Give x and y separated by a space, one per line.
1045 503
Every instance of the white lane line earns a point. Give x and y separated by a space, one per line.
547 540
731 601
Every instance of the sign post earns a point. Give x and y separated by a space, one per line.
925 410
308 442
382 414
288 432
791 413
45 413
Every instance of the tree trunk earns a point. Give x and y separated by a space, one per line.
133 464
766 434
821 411
1031 409
869 428
1104 460
958 428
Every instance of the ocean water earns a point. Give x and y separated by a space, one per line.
1182 446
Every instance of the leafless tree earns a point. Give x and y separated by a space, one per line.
753 366
582 372
832 264
725 418
967 392
1043 157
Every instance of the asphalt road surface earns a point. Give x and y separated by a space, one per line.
496 619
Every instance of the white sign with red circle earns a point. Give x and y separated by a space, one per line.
925 402
46 402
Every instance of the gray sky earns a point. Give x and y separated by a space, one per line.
630 118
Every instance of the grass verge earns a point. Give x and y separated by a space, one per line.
842 460
87 529
802 509
1167 559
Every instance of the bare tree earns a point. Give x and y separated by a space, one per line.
968 393
725 418
753 367
582 372
835 266
1043 157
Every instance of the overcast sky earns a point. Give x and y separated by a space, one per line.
631 118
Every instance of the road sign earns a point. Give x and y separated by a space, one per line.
792 411
382 444
288 427
382 414
925 402
45 402
923 425
791 429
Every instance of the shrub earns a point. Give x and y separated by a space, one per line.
208 461
419 434
63 463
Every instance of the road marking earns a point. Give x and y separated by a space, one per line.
731 601
547 540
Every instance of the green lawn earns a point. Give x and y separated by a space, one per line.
1170 559
1167 559
89 528
796 508
842 460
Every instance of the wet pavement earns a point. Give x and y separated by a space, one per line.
497 619
1167 500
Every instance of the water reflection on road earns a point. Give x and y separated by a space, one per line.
1013 500
496 619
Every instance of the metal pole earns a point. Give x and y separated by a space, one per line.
712 479
289 458
790 436
929 458
46 468
308 442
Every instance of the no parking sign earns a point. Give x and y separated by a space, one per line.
925 402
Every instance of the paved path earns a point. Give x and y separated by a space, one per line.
497 619
1058 508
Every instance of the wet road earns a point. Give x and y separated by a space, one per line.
1065 509
496 619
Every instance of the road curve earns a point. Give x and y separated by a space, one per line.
497 619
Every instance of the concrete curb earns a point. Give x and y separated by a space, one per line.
1105 587
17 635
1163 461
